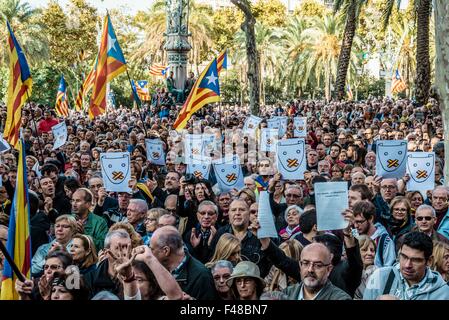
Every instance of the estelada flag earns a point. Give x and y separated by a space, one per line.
110 63
205 90
19 89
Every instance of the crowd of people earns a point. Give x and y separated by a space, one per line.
177 237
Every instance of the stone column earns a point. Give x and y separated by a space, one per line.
177 44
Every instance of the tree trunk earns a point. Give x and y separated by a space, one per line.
422 82
252 55
442 72
345 51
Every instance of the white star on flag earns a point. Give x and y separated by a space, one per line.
212 78
111 43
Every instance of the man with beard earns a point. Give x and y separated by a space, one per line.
315 269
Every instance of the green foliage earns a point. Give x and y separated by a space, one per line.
270 12
310 9
45 84
226 22
369 86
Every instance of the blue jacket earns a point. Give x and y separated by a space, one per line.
431 287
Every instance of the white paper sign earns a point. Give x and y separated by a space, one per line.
268 140
4 145
391 158
274 123
283 122
266 220
229 173
291 158
60 134
193 146
421 168
116 171
200 167
331 200
251 124
35 168
210 144
300 126
155 151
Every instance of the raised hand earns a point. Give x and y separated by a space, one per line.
194 239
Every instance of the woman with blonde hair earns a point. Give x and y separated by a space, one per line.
276 279
228 248
367 248
247 195
440 261
401 221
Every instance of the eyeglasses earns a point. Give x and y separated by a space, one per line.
210 214
53 267
427 218
292 195
315 265
415 261
400 209
359 222
389 187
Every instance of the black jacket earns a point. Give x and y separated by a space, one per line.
346 275
196 280
203 251
278 210
39 230
100 280
250 249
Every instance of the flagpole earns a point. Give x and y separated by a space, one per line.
11 262
138 104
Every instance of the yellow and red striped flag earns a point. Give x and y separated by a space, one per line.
222 61
205 90
62 106
19 89
110 63
158 70
397 84
19 240
86 86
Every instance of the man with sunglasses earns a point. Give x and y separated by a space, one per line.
425 219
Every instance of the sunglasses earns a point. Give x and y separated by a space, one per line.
424 218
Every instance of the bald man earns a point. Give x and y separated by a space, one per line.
315 267
193 277
239 221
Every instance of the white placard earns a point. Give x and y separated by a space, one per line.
229 173
193 146
291 159
300 126
274 123
421 168
265 216
200 167
35 168
116 171
155 151
391 158
331 200
60 134
251 125
283 122
268 140
4 145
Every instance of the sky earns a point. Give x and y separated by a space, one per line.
130 6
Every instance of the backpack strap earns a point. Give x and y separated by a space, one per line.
381 245
389 283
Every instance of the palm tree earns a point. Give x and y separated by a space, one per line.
321 54
25 22
153 23
404 36
294 44
422 81
352 10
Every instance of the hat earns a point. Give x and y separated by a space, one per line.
246 269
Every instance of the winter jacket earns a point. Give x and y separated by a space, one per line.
328 292
38 261
389 280
346 275
385 252
97 228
